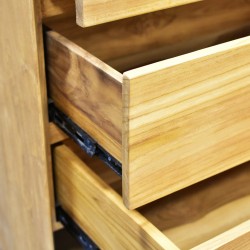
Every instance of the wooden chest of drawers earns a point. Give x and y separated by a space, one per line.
167 95
164 93
213 214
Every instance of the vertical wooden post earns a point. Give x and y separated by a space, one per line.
25 217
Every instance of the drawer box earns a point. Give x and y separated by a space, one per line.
171 123
208 215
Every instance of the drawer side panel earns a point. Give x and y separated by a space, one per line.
92 12
86 90
185 119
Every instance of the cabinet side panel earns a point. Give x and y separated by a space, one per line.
24 187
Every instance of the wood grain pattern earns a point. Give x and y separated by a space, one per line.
215 222
89 13
238 238
174 119
205 209
195 202
67 67
160 35
92 12
87 90
25 216
195 126
193 217
241 243
99 210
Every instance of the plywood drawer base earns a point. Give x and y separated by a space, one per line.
208 215
172 122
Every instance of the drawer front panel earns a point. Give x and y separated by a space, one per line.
185 119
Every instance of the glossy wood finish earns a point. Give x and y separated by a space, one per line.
25 216
186 219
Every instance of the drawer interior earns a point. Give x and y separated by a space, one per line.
187 218
141 40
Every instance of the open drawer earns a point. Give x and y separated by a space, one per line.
207 215
92 12
171 123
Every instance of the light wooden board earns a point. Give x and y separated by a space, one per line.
99 210
92 12
87 90
92 96
235 238
241 243
185 119
25 216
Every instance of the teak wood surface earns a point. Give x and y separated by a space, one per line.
183 119
194 217
97 103
93 12
141 40
99 210
25 216
56 134
238 238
